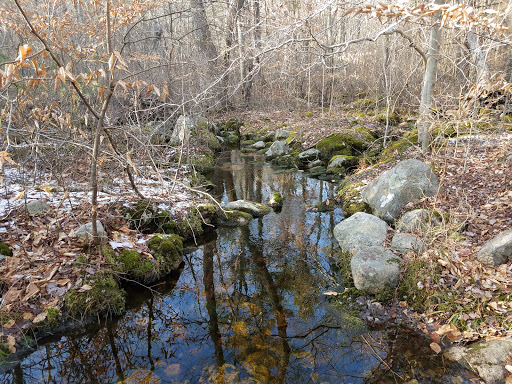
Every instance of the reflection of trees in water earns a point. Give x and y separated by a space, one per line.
247 306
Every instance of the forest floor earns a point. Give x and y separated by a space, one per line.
476 191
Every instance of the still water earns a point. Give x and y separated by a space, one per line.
248 307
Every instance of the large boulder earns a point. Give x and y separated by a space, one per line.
255 209
375 269
278 148
409 181
497 250
487 359
182 130
359 231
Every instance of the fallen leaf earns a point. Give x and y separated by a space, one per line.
508 368
85 287
28 316
62 282
435 347
11 342
331 293
9 324
41 317
31 291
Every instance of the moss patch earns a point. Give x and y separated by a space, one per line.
417 271
202 162
138 268
5 250
340 144
167 251
191 226
105 298
350 196
233 218
288 161
276 201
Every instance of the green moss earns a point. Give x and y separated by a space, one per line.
232 218
350 196
167 251
232 139
364 104
288 161
81 259
51 321
309 114
350 161
340 144
233 125
395 150
4 351
5 250
136 267
190 227
418 297
246 143
202 162
412 136
144 218
276 201
393 117
105 298
108 253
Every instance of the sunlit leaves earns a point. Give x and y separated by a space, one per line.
24 51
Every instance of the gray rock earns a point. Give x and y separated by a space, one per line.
255 209
309 155
37 207
406 242
230 218
497 250
375 269
85 231
259 145
417 220
278 148
486 359
316 163
409 181
281 134
359 231
182 130
337 162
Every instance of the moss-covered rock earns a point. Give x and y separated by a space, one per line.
247 143
393 118
317 171
287 161
190 226
134 265
5 249
232 218
340 144
144 217
395 150
349 193
232 139
103 297
276 201
202 162
346 162
167 251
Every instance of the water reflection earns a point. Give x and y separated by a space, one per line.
247 308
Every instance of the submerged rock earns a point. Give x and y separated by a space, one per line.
487 359
409 181
375 269
255 209
233 218
497 250
37 207
359 231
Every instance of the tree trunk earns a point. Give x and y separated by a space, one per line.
482 69
429 79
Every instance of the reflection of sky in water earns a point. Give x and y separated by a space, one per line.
267 319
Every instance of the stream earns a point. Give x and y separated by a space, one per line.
248 307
